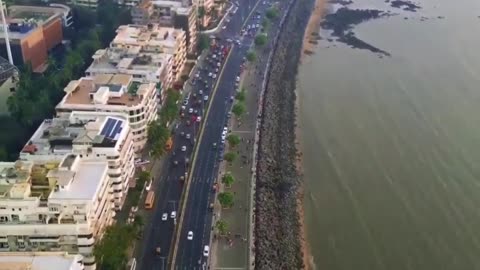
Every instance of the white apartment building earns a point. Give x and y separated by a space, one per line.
114 94
41 261
93 136
54 206
151 39
144 67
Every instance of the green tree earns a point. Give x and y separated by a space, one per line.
157 136
201 12
261 40
226 199
222 227
233 140
271 13
143 177
228 179
230 156
203 42
111 251
170 108
265 24
251 56
238 109
240 96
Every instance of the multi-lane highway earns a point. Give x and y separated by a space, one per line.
167 184
197 217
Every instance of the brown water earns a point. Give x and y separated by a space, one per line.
392 145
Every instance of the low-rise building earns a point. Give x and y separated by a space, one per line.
33 31
94 136
114 93
146 42
40 261
54 206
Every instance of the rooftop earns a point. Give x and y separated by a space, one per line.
12 173
58 135
23 19
82 183
145 36
131 60
39 261
104 89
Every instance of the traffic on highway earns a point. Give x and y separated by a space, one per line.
202 128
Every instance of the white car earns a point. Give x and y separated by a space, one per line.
184 148
190 110
224 27
190 235
205 98
214 75
225 130
210 74
199 119
149 185
200 92
238 78
187 136
164 216
219 64
206 251
173 214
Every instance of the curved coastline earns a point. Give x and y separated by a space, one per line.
279 232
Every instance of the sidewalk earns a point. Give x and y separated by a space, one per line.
236 254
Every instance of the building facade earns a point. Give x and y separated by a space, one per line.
93 136
54 206
33 32
169 14
114 94
40 261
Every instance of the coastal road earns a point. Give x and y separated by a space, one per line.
167 187
197 217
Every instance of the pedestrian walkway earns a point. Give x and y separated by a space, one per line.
232 251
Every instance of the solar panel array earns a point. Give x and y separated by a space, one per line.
112 128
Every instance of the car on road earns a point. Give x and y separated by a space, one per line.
199 119
225 130
238 79
187 136
190 235
164 216
149 185
206 251
224 27
214 75
190 110
185 101
184 148
205 98
210 74
173 214
200 92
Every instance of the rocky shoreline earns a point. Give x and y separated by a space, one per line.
278 238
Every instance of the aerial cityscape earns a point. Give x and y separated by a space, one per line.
239 134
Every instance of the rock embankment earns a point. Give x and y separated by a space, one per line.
277 222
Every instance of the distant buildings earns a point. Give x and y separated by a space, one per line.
33 31
172 14
150 53
114 93
40 261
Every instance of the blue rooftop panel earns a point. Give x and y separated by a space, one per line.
114 129
107 128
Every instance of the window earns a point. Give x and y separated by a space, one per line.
3 219
4 245
15 218
21 244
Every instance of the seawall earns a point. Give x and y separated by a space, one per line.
278 237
